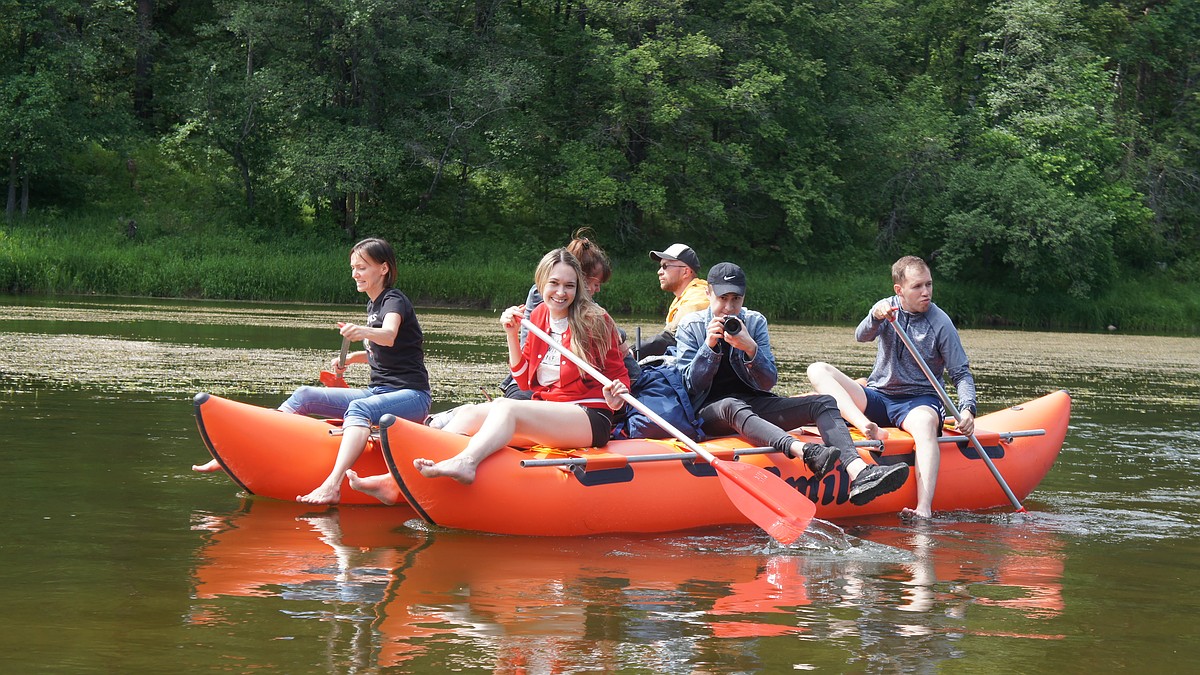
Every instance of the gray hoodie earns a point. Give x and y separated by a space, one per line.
896 373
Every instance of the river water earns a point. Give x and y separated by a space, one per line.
115 557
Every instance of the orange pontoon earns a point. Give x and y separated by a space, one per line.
276 454
653 486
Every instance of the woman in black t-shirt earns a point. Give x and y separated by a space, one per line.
399 383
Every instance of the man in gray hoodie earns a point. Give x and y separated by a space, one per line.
897 393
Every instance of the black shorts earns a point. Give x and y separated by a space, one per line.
601 420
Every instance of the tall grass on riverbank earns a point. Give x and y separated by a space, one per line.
80 256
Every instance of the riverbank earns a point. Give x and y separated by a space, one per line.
108 258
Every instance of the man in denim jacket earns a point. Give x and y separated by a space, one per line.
725 355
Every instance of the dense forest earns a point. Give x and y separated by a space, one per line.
1038 145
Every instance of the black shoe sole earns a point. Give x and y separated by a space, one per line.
831 462
887 482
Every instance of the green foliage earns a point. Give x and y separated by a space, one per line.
60 87
1045 146
90 256
1035 205
1006 216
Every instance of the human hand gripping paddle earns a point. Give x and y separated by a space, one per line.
335 379
764 498
912 349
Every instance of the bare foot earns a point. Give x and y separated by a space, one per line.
913 514
325 494
208 467
457 468
874 433
382 487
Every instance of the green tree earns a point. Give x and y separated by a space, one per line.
1045 148
1157 53
60 88
667 117
230 99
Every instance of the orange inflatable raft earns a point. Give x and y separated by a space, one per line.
628 486
276 454
655 486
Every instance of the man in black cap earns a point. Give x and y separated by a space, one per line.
725 355
678 273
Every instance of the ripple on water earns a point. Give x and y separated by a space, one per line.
1083 515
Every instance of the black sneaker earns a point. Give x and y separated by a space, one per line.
820 459
875 480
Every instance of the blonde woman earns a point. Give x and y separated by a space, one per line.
568 408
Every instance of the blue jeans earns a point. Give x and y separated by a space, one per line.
359 407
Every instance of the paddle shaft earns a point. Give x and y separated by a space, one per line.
763 497
638 459
912 349
1005 436
627 397
335 379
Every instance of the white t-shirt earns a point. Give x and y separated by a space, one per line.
548 371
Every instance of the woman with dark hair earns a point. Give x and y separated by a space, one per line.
568 409
399 383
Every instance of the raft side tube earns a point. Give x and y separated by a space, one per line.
384 423
198 402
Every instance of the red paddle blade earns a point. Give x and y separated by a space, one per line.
766 499
331 380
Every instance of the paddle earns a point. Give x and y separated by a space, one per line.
912 349
335 379
610 460
764 498
615 461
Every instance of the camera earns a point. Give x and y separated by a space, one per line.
732 325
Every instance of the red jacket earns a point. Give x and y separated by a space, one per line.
573 386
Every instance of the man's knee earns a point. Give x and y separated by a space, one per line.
728 410
922 420
819 370
824 403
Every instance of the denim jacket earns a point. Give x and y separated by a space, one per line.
699 362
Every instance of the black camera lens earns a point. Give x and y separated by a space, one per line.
732 325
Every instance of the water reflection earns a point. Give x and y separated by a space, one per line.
396 594
981 564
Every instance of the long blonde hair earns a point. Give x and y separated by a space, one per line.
591 328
